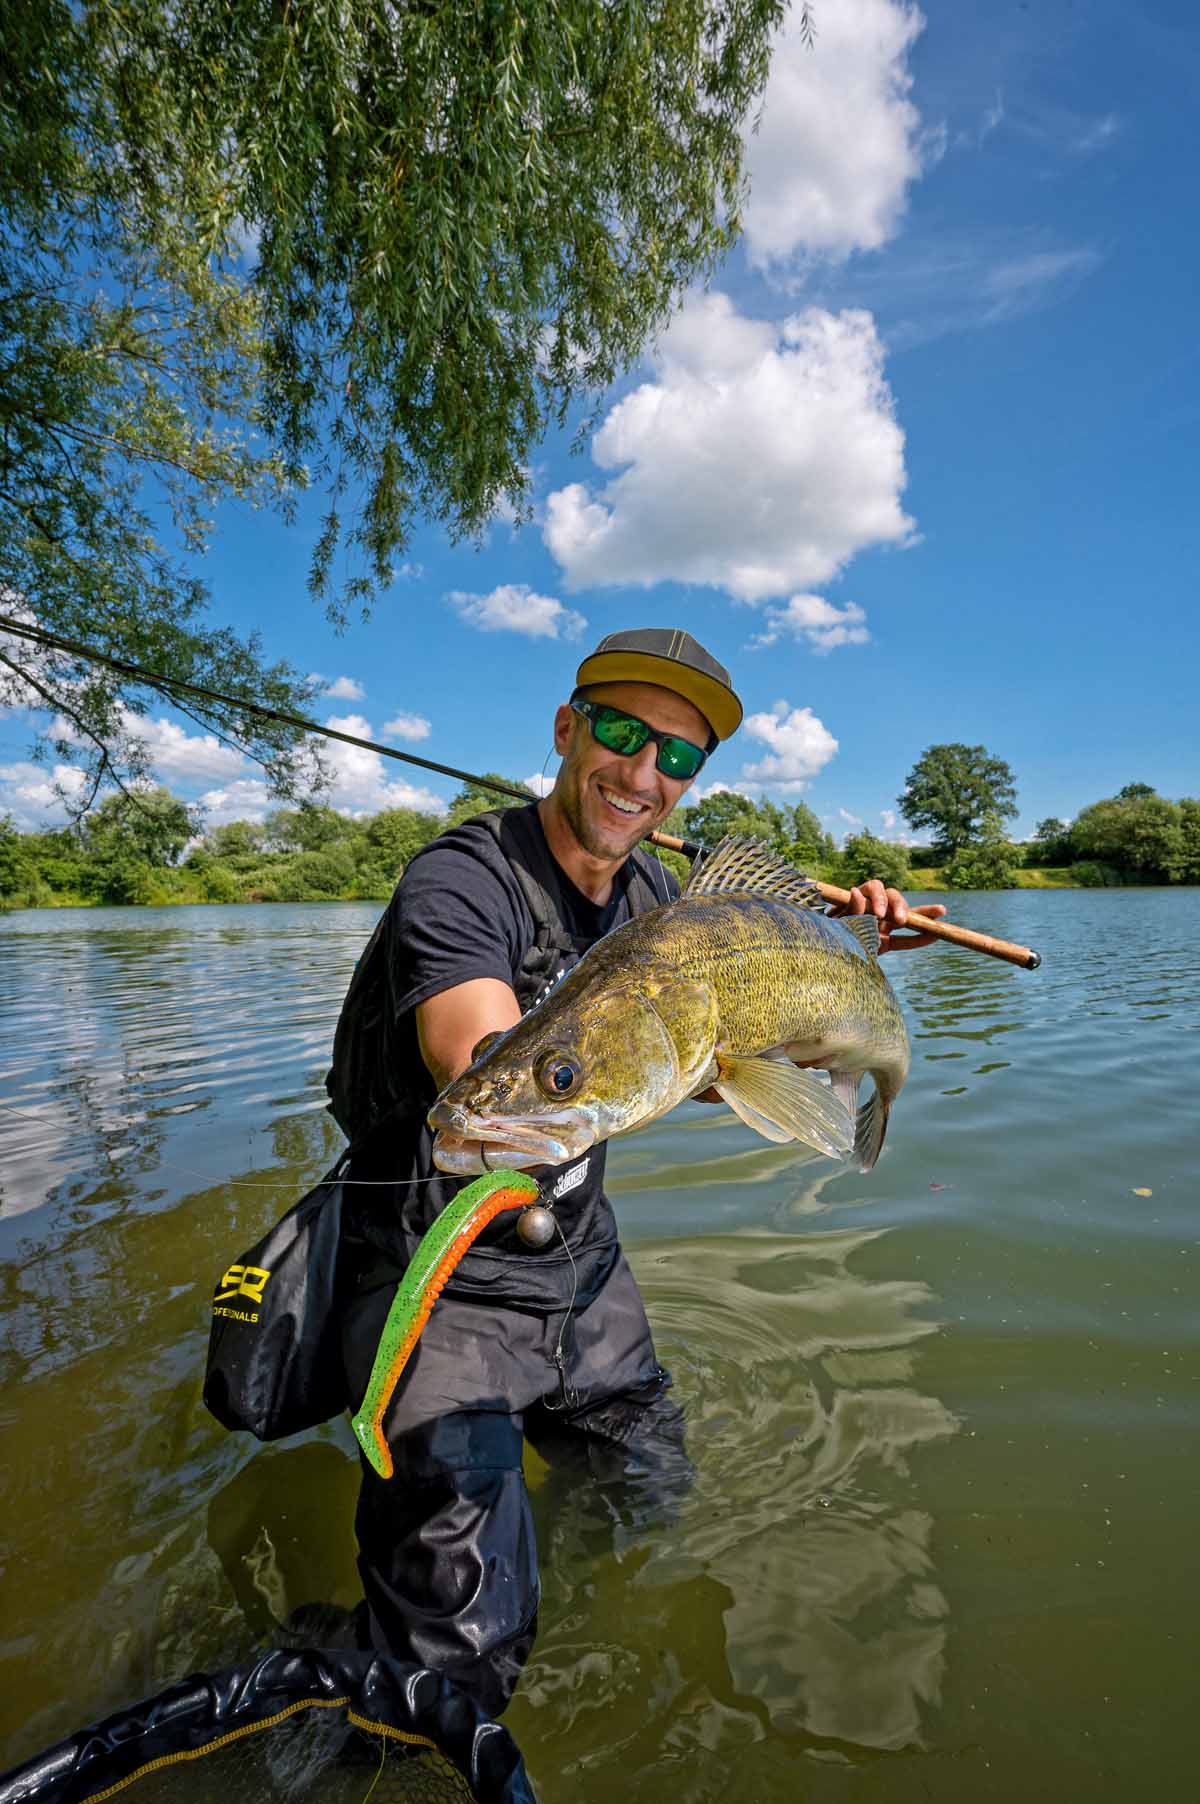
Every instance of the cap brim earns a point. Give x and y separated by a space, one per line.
719 705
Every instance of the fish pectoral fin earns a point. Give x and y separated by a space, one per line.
781 1102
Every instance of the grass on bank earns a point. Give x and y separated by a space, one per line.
1050 877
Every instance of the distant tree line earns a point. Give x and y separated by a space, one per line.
963 794
1136 836
148 847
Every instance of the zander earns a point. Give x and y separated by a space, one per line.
737 985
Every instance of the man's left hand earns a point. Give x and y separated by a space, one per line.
891 911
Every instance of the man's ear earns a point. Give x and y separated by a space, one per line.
565 718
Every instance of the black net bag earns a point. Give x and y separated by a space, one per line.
326 1727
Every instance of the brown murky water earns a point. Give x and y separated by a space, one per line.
942 1542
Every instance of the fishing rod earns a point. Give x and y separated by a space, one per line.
39 635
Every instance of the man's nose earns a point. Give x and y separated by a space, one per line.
645 765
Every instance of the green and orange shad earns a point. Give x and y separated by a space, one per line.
442 1246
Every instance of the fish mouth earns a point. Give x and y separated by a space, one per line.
467 1142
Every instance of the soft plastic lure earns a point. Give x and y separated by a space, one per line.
442 1246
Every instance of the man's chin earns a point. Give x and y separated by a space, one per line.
606 833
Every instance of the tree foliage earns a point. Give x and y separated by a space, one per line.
864 856
953 790
147 851
987 862
378 248
129 365
473 799
1136 831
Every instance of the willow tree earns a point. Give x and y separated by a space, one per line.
378 248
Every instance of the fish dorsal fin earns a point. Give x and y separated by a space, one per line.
742 863
865 929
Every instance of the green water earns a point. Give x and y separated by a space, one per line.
943 1540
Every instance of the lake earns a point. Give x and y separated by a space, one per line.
945 1417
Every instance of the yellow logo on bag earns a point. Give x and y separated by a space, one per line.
242 1281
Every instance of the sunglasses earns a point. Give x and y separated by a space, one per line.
626 735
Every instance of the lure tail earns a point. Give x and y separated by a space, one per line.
453 1233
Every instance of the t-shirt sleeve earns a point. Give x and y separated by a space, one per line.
455 917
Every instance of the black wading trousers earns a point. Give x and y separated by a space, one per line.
446 1546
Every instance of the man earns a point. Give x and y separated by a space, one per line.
549 1344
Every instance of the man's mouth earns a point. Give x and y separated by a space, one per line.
625 806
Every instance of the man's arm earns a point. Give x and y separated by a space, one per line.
451 1024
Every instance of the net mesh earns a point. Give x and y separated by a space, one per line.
320 1727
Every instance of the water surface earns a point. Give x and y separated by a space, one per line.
945 1418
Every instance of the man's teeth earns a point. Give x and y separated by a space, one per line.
620 802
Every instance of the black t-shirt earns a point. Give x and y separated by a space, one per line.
459 913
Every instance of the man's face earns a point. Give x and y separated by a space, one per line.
612 802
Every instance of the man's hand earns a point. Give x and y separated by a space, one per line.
891 911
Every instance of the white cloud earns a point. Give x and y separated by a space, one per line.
540 783
888 817
851 820
800 747
992 120
345 689
175 755
245 799
839 141
759 460
359 782
515 608
407 726
813 618
1098 135
701 792
1013 288
29 793
179 756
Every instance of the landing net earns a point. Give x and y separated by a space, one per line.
325 1727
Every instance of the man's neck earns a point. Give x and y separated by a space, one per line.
593 876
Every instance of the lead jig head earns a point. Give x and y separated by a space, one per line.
536 1226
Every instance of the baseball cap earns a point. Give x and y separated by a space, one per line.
674 660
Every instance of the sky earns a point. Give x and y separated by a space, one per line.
919 465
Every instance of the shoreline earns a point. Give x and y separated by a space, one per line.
925 881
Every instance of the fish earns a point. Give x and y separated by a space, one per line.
743 984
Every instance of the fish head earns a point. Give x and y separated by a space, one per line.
559 1082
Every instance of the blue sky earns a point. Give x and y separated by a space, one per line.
920 465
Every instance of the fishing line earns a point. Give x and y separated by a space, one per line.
570 1396
189 1171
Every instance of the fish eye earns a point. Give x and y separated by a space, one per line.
557 1073
484 1045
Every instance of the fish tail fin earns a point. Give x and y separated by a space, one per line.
870 1128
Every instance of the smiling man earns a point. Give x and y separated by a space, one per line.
546 1343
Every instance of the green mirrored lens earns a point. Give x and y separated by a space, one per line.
679 758
621 733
